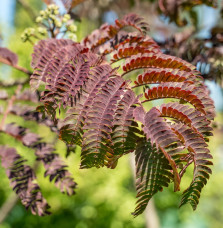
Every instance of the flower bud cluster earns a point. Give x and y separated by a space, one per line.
27 34
51 22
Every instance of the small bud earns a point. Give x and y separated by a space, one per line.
56 7
32 31
47 13
64 20
29 31
67 16
72 36
42 13
53 17
42 30
23 37
56 12
39 19
51 6
72 28
58 23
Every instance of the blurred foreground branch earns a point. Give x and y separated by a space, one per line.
22 69
8 206
28 9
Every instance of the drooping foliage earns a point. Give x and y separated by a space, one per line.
153 172
22 176
104 115
22 181
107 114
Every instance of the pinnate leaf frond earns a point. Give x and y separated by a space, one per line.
107 119
134 45
188 116
72 131
161 75
159 60
23 182
98 127
200 155
153 172
191 93
107 32
8 56
54 166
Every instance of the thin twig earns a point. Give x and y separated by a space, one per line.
8 206
9 107
14 83
28 9
137 4
185 167
22 69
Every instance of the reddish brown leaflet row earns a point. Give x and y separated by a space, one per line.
22 181
22 176
55 167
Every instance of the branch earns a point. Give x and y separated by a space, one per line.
11 201
8 206
9 107
22 69
14 83
28 9
185 167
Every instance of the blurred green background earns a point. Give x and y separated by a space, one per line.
105 198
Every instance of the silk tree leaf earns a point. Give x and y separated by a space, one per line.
188 116
195 95
72 131
8 56
165 139
201 156
159 60
153 172
42 56
98 126
107 32
133 46
55 167
23 181
126 132
160 75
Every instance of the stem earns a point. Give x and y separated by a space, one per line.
15 83
150 83
139 68
22 69
28 9
9 107
51 28
185 167
152 99
137 4
8 206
